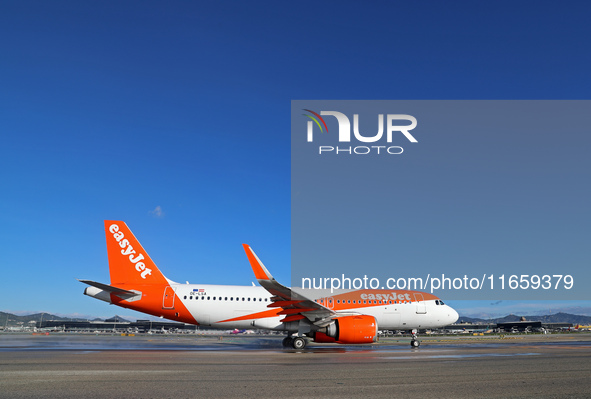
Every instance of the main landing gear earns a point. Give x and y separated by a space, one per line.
414 342
294 342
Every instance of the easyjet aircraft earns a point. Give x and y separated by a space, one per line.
349 318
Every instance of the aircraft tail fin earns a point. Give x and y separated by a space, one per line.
129 263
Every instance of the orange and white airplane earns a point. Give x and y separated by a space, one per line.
347 318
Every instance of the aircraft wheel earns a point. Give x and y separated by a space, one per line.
287 342
415 343
299 343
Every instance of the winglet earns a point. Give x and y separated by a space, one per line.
260 271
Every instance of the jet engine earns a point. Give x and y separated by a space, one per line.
362 329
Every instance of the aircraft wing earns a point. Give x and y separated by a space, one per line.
294 306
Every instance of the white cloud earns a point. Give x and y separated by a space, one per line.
157 212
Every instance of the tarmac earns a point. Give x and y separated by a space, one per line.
169 366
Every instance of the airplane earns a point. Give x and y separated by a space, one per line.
237 331
346 318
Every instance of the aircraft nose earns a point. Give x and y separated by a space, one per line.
453 315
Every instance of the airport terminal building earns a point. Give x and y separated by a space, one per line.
119 325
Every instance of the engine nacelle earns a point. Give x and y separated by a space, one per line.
361 329
322 338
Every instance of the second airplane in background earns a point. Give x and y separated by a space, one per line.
349 318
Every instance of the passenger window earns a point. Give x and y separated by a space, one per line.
190 297
185 297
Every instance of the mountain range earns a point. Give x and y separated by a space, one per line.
553 318
12 320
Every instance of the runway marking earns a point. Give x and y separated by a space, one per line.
70 373
461 356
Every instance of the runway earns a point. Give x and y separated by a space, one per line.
91 366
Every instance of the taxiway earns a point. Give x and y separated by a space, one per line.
254 367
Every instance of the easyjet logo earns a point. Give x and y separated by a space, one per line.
129 251
387 297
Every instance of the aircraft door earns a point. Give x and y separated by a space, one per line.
421 306
168 298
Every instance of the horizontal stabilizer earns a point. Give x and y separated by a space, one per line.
109 288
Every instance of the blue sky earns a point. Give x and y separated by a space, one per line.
110 110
